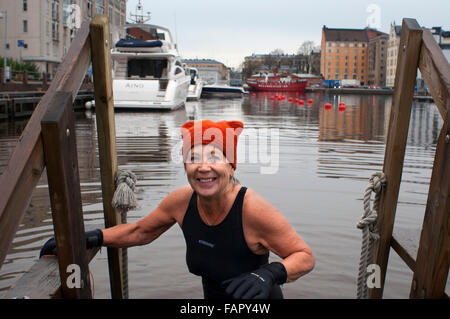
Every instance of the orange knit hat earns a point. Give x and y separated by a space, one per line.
223 134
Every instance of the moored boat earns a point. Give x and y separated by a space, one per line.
273 82
147 69
196 85
222 91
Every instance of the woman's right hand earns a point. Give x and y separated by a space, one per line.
94 238
49 248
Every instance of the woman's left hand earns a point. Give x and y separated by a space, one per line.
256 284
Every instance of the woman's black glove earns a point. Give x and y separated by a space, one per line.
256 284
94 238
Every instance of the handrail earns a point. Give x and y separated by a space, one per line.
418 49
36 149
26 164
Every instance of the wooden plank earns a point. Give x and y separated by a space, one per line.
433 256
106 132
405 78
436 72
403 253
61 158
27 161
42 280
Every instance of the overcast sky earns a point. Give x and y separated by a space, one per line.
232 29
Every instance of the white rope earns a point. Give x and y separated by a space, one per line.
124 200
368 225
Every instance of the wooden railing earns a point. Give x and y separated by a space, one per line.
48 141
418 49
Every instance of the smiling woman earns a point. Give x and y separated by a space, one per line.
229 230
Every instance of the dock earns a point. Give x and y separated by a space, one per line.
14 105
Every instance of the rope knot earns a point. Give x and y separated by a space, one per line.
124 198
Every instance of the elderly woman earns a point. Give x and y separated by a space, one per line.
229 229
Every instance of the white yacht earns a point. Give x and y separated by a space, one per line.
147 68
196 85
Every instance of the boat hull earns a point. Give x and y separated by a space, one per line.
222 91
277 86
148 94
194 92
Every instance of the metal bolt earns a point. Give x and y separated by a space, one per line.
106 43
68 132
447 138
404 47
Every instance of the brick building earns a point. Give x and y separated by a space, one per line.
345 54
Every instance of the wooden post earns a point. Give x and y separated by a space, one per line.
433 256
60 153
106 131
405 78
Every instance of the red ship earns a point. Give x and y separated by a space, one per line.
273 82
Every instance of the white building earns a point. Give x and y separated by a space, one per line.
442 38
392 52
40 31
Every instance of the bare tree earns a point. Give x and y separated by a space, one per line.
306 47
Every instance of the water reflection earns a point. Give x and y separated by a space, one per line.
325 159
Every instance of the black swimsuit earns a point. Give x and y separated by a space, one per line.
220 252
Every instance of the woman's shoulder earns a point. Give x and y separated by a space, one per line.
177 200
258 209
180 195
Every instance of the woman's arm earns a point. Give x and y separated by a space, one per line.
169 211
267 226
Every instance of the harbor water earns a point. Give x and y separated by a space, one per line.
311 162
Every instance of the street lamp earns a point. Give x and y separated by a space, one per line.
3 14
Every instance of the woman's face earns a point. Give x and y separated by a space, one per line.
208 170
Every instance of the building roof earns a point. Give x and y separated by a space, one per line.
354 35
351 35
202 61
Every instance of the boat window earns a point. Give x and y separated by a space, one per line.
147 68
178 70
177 62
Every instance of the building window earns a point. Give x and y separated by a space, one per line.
24 5
55 10
25 26
89 8
337 50
55 31
47 28
99 7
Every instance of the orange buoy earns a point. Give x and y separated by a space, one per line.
310 101
290 99
341 107
301 102
327 106
254 94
